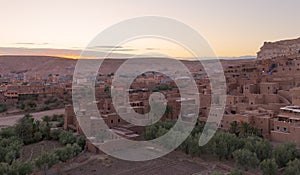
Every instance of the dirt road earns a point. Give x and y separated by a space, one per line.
11 120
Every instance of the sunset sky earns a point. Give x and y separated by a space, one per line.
65 27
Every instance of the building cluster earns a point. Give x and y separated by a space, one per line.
16 86
264 92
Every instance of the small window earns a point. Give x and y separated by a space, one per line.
112 121
119 120
284 129
278 128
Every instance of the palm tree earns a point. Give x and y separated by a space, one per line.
169 110
234 128
46 119
245 128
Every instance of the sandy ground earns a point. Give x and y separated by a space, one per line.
100 164
11 120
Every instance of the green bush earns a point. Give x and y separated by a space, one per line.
3 107
245 159
67 138
55 134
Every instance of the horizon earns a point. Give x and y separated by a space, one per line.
126 58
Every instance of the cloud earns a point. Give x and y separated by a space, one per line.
151 48
113 48
108 47
70 53
27 43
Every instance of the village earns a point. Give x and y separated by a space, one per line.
262 98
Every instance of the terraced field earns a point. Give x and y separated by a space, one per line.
30 152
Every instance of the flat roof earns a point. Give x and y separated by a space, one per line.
291 108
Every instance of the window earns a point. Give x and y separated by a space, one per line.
278 128
119 120
284 129
112 121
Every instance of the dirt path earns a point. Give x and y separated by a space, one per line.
11 120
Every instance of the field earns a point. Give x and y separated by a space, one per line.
30 152
173 164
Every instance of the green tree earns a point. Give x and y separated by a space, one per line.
245 159
21 168
46 119
4 168
66 137
244 129
169 110
269 167
235 172
8 132
285 153
81 141
9 149
224 144
38 136
262 148
45 127
67 152
293 168
45 161
55 134
3 107
234 128
25 128
193 146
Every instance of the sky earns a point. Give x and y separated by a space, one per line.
63 27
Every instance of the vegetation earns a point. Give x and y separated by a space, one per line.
245 159
162 88
28 131
235 172
243 144
285 153
3 107
269 167
292 168
244 129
